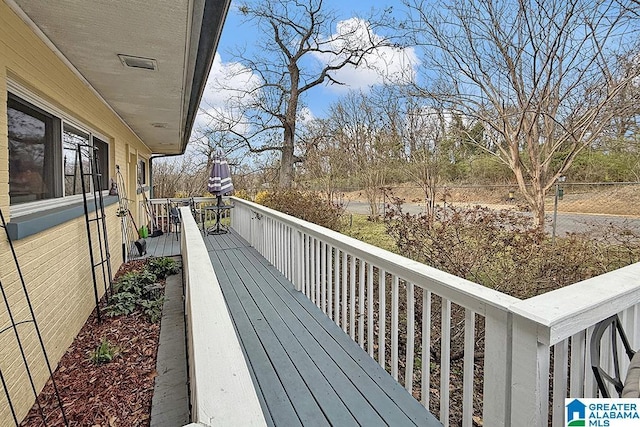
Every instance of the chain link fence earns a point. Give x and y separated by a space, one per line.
570 207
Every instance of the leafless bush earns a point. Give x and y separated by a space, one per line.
504 250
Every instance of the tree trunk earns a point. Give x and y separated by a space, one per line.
286 166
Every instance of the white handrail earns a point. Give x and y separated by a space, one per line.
464 292
222 392
571 309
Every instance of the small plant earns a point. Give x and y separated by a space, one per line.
130 283
162 267
146 277
104 353
121 303
152 308
134 282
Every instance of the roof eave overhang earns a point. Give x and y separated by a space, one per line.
204 43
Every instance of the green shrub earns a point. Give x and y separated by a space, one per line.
152 308
121 303
129 283
307 205
104 353
162 267
130 291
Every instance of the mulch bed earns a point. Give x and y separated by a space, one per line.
115 394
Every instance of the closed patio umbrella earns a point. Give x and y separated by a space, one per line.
219 182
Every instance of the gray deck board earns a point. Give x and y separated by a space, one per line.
306 369
309 391
357 359
165 245
319 372
326 338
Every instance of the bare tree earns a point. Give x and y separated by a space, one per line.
181 176
325 166
544 77
301 46
425 133
367 138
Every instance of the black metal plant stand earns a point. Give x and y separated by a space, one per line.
97 216
31 319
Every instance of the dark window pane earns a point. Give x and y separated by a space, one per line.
76 154
142 172
30 153
102 154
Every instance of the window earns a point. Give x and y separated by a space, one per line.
76 155
142 172
32 146
46 153
102 160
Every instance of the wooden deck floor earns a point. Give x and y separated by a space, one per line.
166 245
307 371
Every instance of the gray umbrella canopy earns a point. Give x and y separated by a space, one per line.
220 177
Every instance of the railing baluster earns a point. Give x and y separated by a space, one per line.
395 290
330 255
361 307
352 299
287 252
425 354
299 259
307 266
411 332
336 291
382 316
590 386
560 370
467 376
345 288
370 310
445 354
317 263
576 387
323 278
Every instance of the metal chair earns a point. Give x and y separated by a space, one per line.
613 325
174 219
174 214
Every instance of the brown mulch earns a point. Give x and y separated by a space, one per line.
115 394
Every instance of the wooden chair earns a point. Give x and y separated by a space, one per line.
613 325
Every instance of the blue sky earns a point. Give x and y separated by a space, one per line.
236 33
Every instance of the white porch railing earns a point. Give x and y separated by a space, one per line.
220 383
159 210
525 343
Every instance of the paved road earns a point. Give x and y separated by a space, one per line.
566 222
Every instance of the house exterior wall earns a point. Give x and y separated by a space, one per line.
55 262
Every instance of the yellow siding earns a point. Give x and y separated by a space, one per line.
56 262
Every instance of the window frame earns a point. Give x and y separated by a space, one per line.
142 172
22 96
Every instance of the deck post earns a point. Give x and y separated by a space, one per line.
497 368
530 373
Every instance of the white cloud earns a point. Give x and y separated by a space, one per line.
305 115
384 64
226 82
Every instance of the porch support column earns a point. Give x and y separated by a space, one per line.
497 368
530 375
